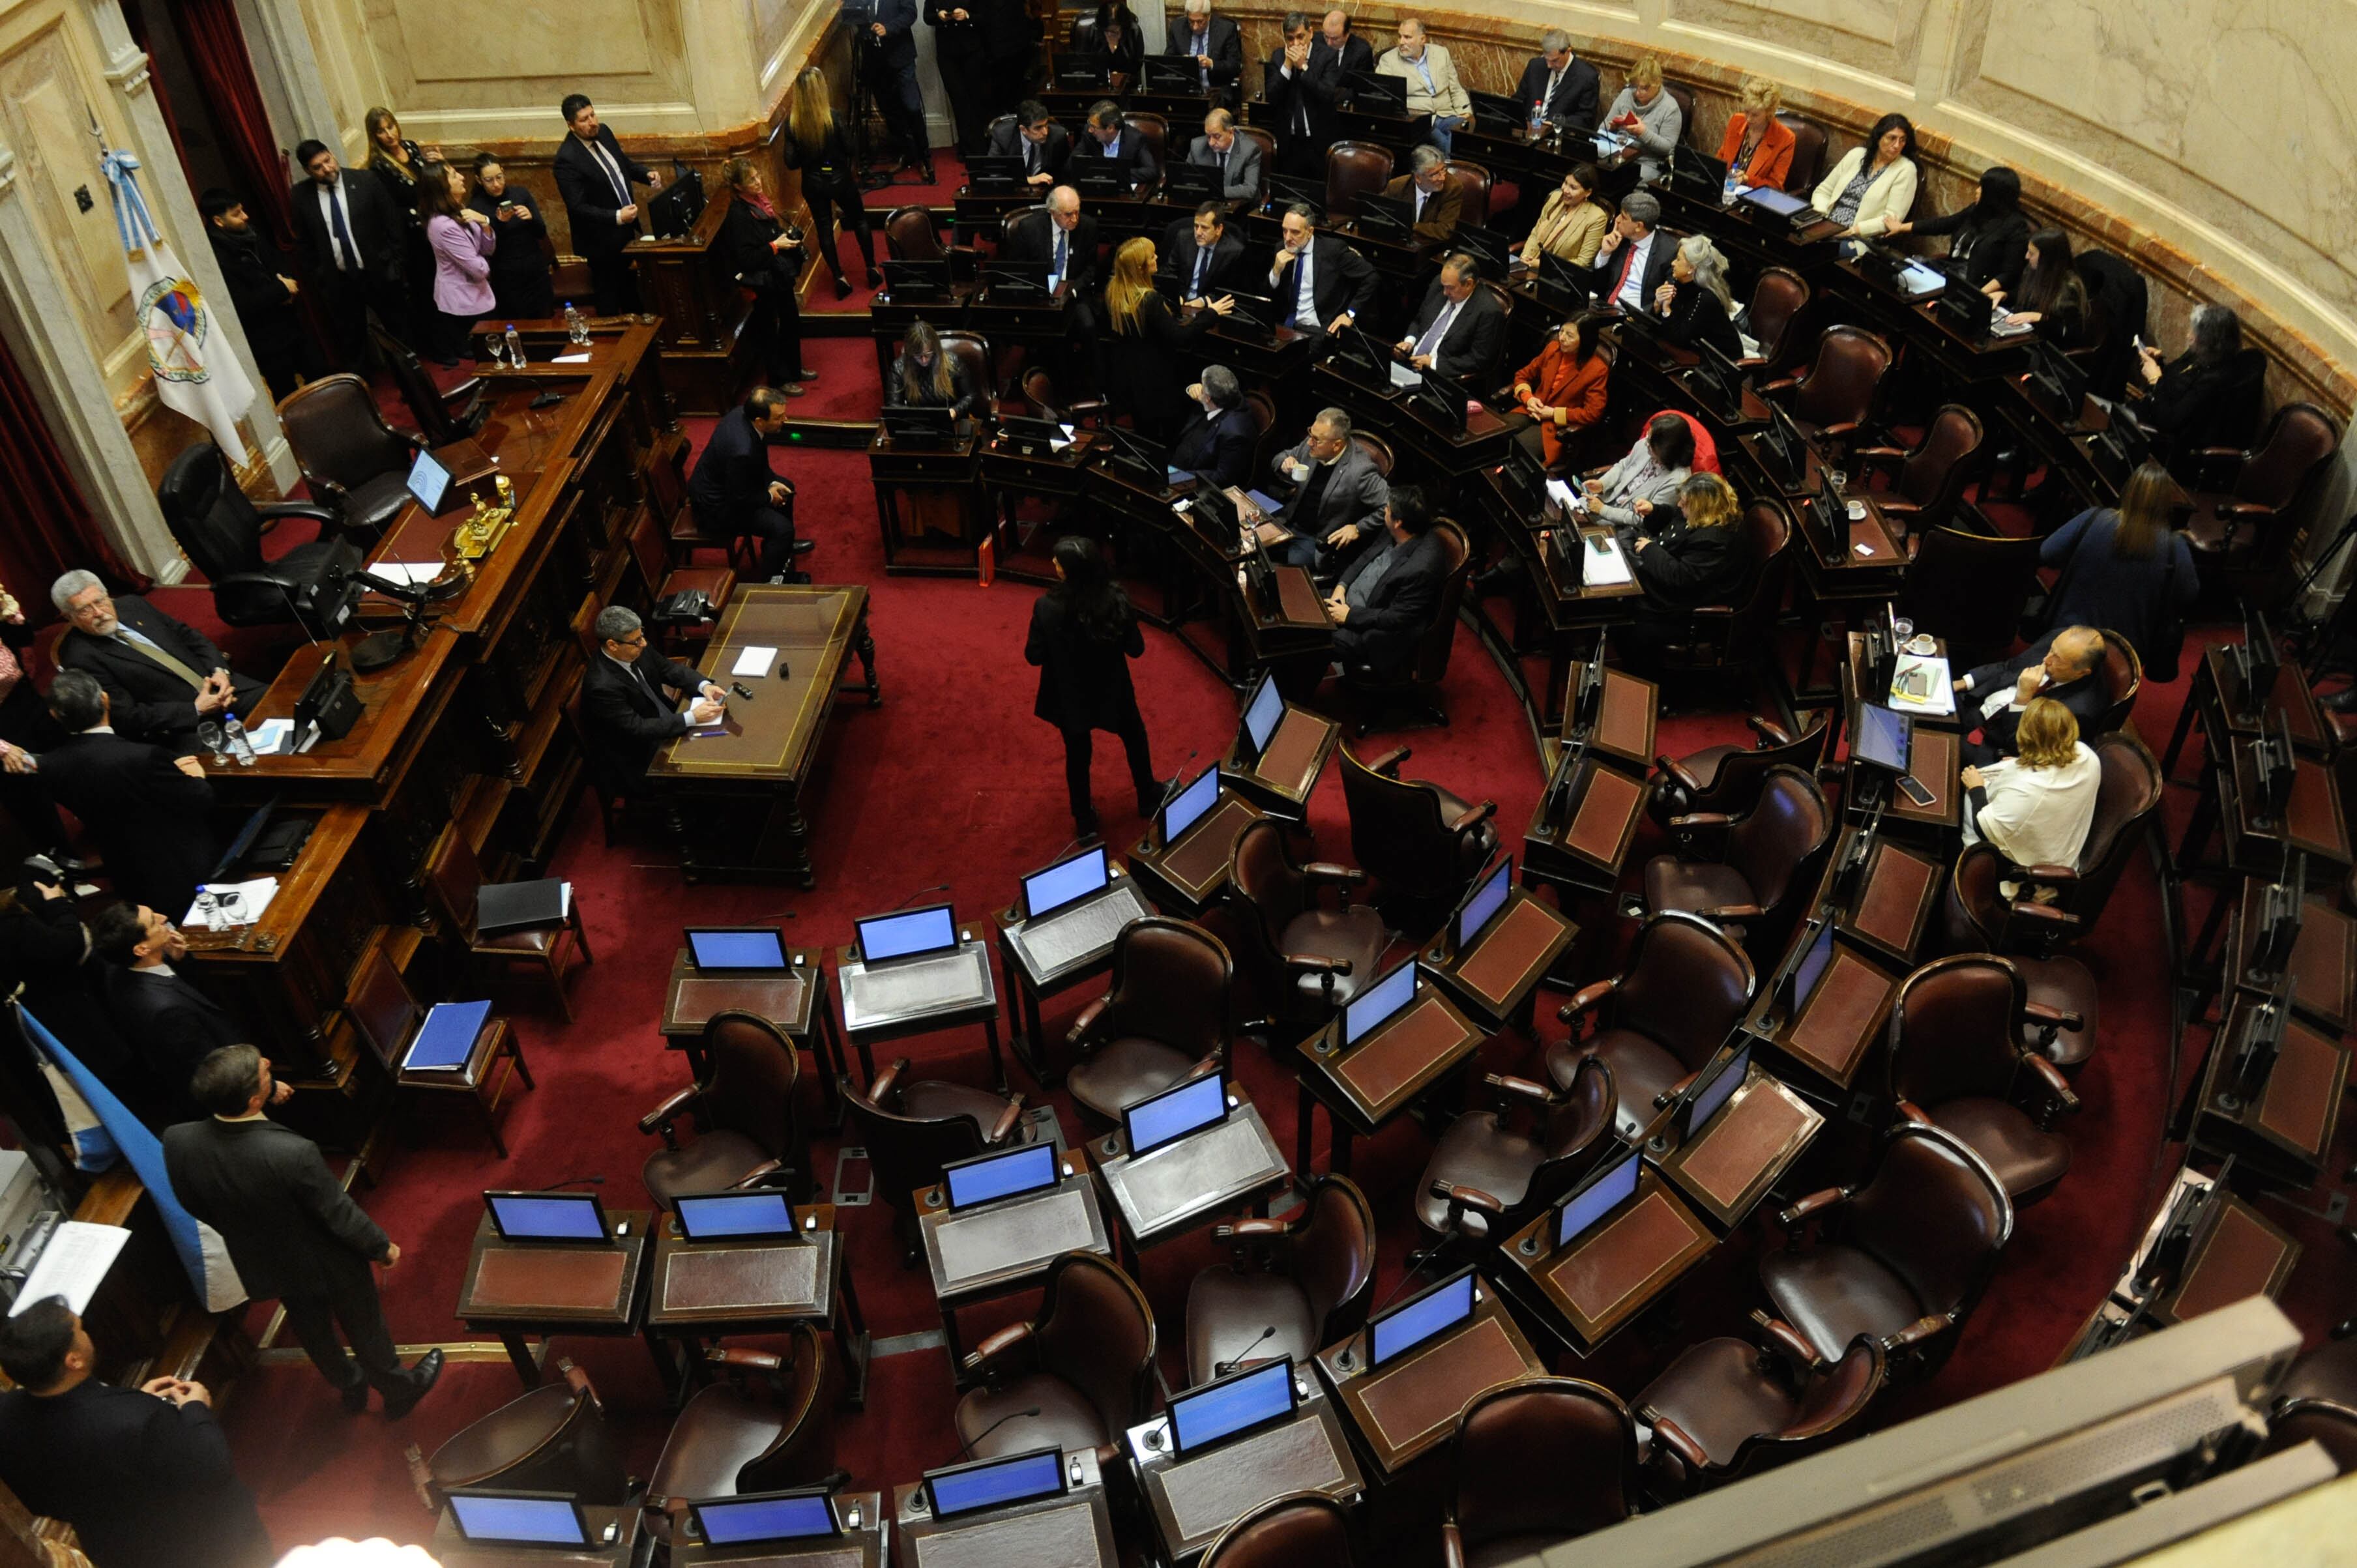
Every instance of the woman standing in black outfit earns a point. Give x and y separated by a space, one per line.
1083 635
830 177
520 281
396 161
1145 342
768 260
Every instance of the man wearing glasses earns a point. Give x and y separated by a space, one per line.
629 702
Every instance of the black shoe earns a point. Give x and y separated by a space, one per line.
399 1402
356 1398
874 280
1084 824
842 288
805 546
805 375
929 176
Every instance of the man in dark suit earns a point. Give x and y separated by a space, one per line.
1301 107
594 177
1560 79
1203 257
292 1232
170 1025
143 1475
1338 50
2066 664
1337 499
1109 142
1320 284
1438 206
1387 599
1217 443
261 280
1460 329
626 703
1634 260
889 57
144 807
1039 142
352 238
162 678
734 492
1216 46
1236 157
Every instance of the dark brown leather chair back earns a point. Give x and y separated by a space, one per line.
1155 129
1953 1032
1844 379
1838 1395
972 350
1264 878
1097 1332
803 1448
1969 588
1686 986
1171 982
1808 153
554 1439
1934 474
1734 788
1472 182
1297 1529
2318 1401
1780 836
2126 801
1934 1216
1777 295
909 235
1083 36
1333 1256
1550 1459
2300 440
452 876
1268 140
2122 677
751 1087
428 404
1018 219
1440 638
339 434
1378 450
909 1152
1573 1133
770 1424
1684 96
1354 169
1399 835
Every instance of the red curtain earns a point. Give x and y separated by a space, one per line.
216 52
49 529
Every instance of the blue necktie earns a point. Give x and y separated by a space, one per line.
1202 264
348 254
1057 275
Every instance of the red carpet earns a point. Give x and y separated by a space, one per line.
954 780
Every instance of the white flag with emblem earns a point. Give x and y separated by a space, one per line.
196 374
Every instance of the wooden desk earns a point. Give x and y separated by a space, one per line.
2313 823
1293 638
1169 1190
1745 1151
709 1290
519 1288
1280 779
453 1550
788 1001
1627 710
1832 1034
996 1248
978 1004
865 1544
1072 1531
1401 1412
2282 1129
741 795
929 504
2323 962
2240 1252
1586 850
2223 709
690 285
1190 1501
1494 981
1585 1293
1040 961
1185 878
1897 891
1366 1086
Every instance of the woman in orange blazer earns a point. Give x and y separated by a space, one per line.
1757 147
1562 390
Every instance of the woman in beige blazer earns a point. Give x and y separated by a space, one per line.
1571 225
1873 186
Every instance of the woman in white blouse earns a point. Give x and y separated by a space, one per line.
2036 806
1873 186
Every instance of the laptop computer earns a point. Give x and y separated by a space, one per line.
737 950
1234 1406
1189 806
761 1519
760 1214
1480 907
1174 1113
979 1483
1423 1317
562 1216
429 482
1010 1173
488 1516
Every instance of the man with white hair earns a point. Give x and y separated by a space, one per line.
1216 46
162 678
1435 205
1431 77
1562 85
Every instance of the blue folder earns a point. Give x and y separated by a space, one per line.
447 1035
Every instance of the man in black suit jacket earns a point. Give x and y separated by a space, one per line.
353 239
961 53
1564 82
625 701
1215 44
146 808
594 177
261 280
1237 157
162 678
1341 282
1042 145
291 1229
889 59
1301 107
170 1025
143 1475
1634 260
2066 664
1033 240
1203 257
1108 142
1386 601
1217 444
735 493
1461 328
1338 50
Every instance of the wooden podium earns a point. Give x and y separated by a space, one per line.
689 284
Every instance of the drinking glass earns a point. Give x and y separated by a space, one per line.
210 734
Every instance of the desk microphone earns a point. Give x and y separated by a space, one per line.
576 1181
301 625
936 887
1221 1369
967 1446
1173 788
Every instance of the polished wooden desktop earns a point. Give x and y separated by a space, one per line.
1744 1150
929 504
2323 962
742 795
706 1291
866 1542
2280 1128
1191 1499
1408 1407
2239 1252
2314 822
1897 889
1832 1034
1279 781
1365 1087
978 1007
1628 710
2225 711
789 1000
1006 1245
689 284
1584 847
516 1289
1588 1292
1072 1528
1495 979
1186 877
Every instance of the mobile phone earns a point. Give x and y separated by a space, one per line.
1912 788
1600 544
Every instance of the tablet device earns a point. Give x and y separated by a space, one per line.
1884 737
758 1215
1228 1407
429 481
1264 711
1482 905
1599 1196
1709 1098
956 1489
1187 807
1066 882
547 1216
985 1179
1377 1004
1165 1118
736 950
804 1514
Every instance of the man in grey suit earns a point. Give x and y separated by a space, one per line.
1338 509
293 1232
1237 157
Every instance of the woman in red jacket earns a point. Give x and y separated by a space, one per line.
1757 147
1563 390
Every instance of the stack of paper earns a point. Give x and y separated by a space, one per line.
1601 565
753 662
72 1264
251 899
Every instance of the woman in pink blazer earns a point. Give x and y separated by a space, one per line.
462 242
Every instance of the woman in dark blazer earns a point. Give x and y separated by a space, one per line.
1686 555
1695 302
1121 43
1988 240
2051 297
2126 570
2213 395
520 281
1083 634
926 375
815 146
396 162
764 257
1144 341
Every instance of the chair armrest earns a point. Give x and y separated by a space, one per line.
1388 763
1700 835
575 1379
1768 730
1586 999
1870 456
1840 427
1087 1020
1250 1230
758 1174
1670 1435
1893 507
1677 773
1474 818
2236 510
1452 1545
1008 1119
1913 1112
1315 963
887 1081
2046 871
997 1345
1816 1203
2058 1087
1346 877
744 1360
1732 912
1694 821
421 1479
1915 1333
1778 1336
461 392
1507 1084
1782 383
661 1117
2061 922
2039 1012
1457 1196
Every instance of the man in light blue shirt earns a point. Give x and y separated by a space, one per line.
1431 77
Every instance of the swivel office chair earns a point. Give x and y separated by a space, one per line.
220 530
1309 1278
1534 1464
744 1105
351 457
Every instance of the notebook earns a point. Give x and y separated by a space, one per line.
447 1036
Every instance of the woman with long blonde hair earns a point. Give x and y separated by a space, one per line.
1685 554
816 146
2037 805
1144 340
396 161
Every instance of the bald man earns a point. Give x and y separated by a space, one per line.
2066 665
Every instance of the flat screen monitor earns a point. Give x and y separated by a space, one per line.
909 934
760 1215
1170 1115
1386 218
673 210
1710 1096
921 279
1884 737
1373 90
429 481
923 424
1184 182
494 1518
1494 251
1066 882
1189 806
1420 1318
987 171
1602 1194
1813 966
956 1489
1774 200
1264 711
547 1216
1377 1004
985 1179
1231 1406
1175 76
735 949
1083 71
1482 906
804 1514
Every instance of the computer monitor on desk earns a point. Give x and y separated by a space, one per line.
1708 1095
1786 448
1885 738
672 211
1494 251
758 1215
988 174
1150 460
1257 311
552 1217
1264 711
1372 92
1230 1407
1421 1317
920 282
1811 954
1593 1201
1082 73
1500 113
1773 207
1379 1003
1176 77
1559 275
1193 184
1190 805
1441 397
1696 174
980 1484
1015 282
1285 189
1386 218
2058 383
762 1519
987 1178
1177 1113
736 950
1481 907
906 934
490 1516
1967 310
1100 178
1722 376
921 427
429 482
1066 883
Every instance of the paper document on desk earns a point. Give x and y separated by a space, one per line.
1405 376
1919 280
580 359
272 736
753 662
2003 325
1923 685
238 903
1563 495
1605 567
408 573
73 1264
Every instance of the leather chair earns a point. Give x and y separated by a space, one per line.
909 234
912 1129
1284 1533
1042 399
1422 843
1309 1278
1686 987
685 534
2122 304
1956 1061
1085 1364
1155 129
614 811
1535 1463
766 1425
1739 871
1354 169
1808 153
1928 479
1303 959
744 1109
1732 638
1491 1170
1167 1017
650 553
1726 780
973 349
1970 589
1901 1257
1473 184
2318 1401
1779 296
384 1010
1268 140
351 457
553 1439
1684 97
1083 37
453 877
1840 394
1378 450
220 530
1726 1407
2247 507
441 416
1416 702
2123 675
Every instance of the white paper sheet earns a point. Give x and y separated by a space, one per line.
580 359
1405 376
1563 495
252 898
1606 568
753 662
408 573
1941 686
72 1264
271 737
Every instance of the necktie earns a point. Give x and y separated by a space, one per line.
1438 333
147 649
1555 81
1304 303
1627 260
1200 47
347 254
613 172
1056 274
1202 265
1031 156
639 669
1420 193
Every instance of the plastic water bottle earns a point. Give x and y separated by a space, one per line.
1538 118
576 330
1734 187
515 347
239 746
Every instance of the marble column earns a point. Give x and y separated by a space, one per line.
286 68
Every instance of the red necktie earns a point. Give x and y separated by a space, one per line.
1628 257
